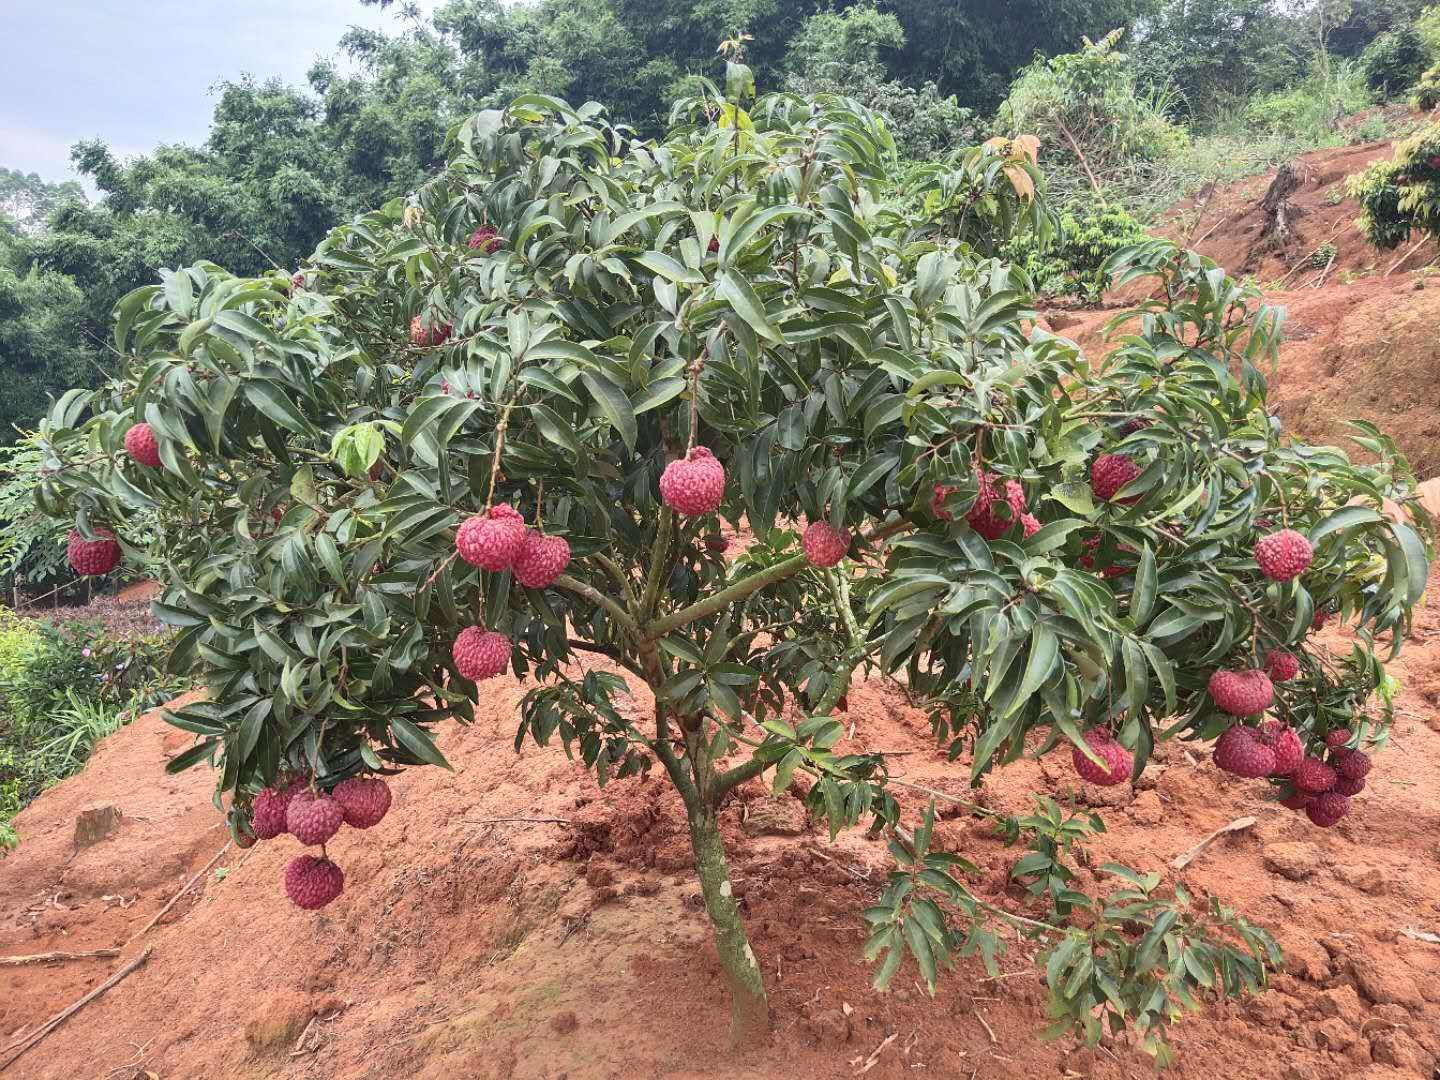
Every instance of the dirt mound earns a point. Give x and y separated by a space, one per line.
1359 345
477 938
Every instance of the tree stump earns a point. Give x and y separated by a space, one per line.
96 822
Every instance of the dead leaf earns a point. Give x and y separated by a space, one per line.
1020 181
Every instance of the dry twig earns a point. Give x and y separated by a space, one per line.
51 957
183 890
1238 825
15 1049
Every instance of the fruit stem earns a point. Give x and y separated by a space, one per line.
749 1009
499 445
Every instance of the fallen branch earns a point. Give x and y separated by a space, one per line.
1410 251
532 820
874 1057
51 957
1238 825
183 890
15 1049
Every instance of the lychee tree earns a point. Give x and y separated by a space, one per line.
428 460
1401 195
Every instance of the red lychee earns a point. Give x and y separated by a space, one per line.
714 246
492 541
90 558
1353 764
542 559
1314 776
485 239
1240 752
1347 787
1296 800
982 515
312 881
1338 738
937 502
824 544
481 654
1118 760
1111 472
297 279
312 819
1321 618
142 445
1281 665
1288 748
435 335
1242 693
1283 555
267 812
694 484
1325 810
1029 525
363 800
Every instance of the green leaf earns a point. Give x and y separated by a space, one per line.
615 405
736 292
418 741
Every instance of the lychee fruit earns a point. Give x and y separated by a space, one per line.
312 819
694 484
1353 764
363 800
1242 693
481 654
90 558
824 544
714 246
1314 776
1287 746
542 559
1111 472
492 541
435 335
1029 525
1321 618
1118 761
1281 665
1240 752
485 239
1338 738
297 279
1296 800
1283 555
1344 785
1325 810
267 812
142 445
982 516
937 502
312 881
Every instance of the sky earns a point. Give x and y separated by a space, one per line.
137 73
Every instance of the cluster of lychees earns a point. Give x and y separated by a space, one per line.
313 817
994 510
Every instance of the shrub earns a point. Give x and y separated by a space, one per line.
1086 109
1074 264
1313 105
748 288
1426 95
1401 195
1393 61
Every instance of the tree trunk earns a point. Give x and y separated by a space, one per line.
749 1011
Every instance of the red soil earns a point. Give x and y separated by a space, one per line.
465 947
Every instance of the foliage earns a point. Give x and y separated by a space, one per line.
1426 96
63 687
1313 104
1402 195
1427 25
32 545
25 199
1089 113
42 345
844 354
1074 264
840 54
1394 61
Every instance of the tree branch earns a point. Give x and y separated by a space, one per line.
595 596
659 556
